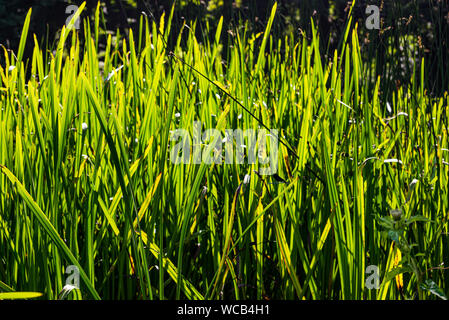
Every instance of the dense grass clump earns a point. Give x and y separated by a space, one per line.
86 180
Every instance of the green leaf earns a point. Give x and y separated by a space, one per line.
432 287
395 272
386 222
417 218
393 235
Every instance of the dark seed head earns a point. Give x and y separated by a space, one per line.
396 214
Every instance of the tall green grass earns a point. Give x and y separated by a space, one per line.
86 181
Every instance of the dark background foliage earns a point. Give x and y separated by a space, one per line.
415 28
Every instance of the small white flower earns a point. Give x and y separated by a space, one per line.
11 68
217 96
177 115
85 156
246 179
114 71
239 116
84 126
392 161
68 287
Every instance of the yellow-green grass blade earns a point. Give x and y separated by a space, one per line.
19 295
48 227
